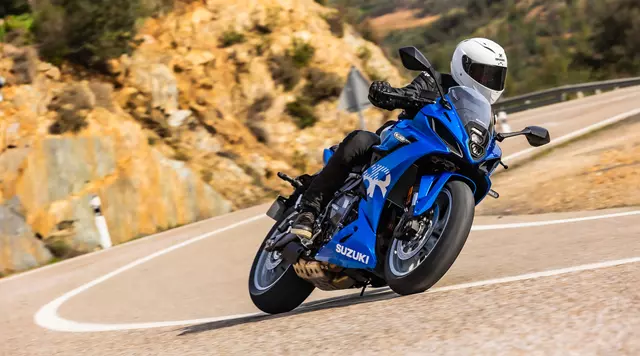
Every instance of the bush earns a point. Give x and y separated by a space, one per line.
181 156
258 131
14 7
322 85
364 53
284 72
257 109
230 38
301 53
87 32
336 24
72 106
302 111
16 29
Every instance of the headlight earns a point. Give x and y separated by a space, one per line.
479 139
476 138
476 150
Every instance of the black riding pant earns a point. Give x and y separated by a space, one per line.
354 150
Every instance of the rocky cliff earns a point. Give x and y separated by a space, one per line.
217 98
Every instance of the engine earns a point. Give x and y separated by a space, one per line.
324 275
340 208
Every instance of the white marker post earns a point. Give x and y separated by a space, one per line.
2 82
101 223
502 120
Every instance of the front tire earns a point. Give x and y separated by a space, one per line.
274 286
414 266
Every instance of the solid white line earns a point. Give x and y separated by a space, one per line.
551 222
123 245
53 322
577 133
534 275
47 317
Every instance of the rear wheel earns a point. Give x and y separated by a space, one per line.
273 285
414 266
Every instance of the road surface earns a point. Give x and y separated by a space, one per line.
546 284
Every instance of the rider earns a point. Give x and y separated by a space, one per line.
477 63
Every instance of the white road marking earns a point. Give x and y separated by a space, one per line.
48 315
551 222
569 137
48 318
123 245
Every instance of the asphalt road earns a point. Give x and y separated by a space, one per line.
546 284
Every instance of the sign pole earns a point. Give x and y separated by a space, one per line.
361 117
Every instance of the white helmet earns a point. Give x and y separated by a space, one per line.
481 64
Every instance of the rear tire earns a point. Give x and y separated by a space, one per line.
283 290
403 277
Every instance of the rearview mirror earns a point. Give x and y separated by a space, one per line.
413 59
537 136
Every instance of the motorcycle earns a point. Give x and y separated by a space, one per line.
400 221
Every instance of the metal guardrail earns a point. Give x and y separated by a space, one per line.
559 94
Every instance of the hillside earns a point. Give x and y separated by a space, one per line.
548 42
193 120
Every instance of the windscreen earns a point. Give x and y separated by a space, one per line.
471 106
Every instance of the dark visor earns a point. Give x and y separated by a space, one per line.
492 77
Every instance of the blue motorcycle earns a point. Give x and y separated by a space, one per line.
400 221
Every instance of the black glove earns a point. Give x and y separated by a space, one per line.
379 95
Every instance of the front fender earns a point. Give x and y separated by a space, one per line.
430 187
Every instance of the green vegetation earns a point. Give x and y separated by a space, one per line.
322 85
548 42
286 69
302 111
284 72
72 106
336 24
301 53
230 38
86 32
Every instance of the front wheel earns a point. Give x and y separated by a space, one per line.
414 266
273 285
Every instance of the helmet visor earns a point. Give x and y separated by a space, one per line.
492 77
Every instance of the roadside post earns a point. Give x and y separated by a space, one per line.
2 82
502 120
355 95
101 222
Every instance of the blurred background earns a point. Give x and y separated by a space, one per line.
175 111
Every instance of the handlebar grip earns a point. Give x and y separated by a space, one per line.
289 180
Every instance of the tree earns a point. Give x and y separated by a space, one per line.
86 31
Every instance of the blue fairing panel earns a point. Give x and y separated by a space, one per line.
326 155
430 187
351 247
